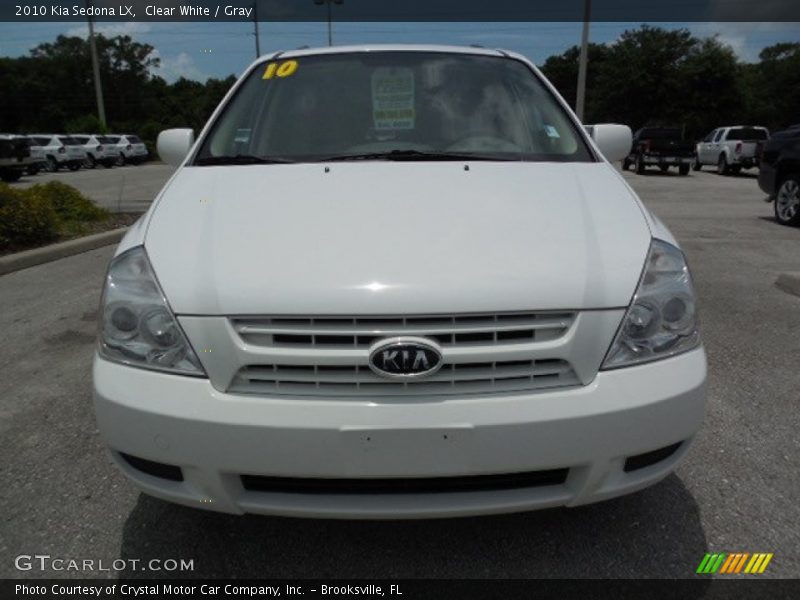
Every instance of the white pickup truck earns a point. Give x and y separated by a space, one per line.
731 149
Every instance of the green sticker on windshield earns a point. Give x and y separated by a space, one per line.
393 98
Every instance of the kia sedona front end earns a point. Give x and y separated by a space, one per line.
397 282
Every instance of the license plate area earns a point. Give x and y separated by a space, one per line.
408 452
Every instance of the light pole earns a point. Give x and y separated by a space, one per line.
98 87
583 59
329 3
255 27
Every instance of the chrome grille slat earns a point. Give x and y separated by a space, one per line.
311 374
390 329
361 332
398 389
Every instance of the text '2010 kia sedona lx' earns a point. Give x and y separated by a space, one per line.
397 281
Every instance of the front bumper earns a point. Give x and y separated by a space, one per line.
744 162
667 161
215 438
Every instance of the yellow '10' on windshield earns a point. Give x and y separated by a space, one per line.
284 69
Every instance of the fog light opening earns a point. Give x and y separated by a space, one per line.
640 461
155 469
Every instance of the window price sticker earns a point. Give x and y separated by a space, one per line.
393 98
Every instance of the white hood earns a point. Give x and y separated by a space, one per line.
397 238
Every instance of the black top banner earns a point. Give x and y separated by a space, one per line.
405 10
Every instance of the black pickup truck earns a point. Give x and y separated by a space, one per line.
661 147
779 174
15 152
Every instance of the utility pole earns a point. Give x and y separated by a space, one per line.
584 58
98 87
329 3
255 26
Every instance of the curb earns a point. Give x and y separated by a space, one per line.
789 283
37 256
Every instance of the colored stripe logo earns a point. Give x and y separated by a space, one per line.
735 562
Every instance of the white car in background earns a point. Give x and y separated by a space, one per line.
38 162
60 151
97 152
129 149
396 282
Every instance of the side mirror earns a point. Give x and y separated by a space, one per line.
174 144
614 141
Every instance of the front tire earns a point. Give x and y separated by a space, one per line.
787 201
52 164
626 164
74 166
664 168
121 160
640 165
722 165
683 169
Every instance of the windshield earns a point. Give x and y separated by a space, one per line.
747 133
394 105
661 133
69 141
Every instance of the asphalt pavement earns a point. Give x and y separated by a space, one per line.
736 492
119 189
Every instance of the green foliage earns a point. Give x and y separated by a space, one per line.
53 90
85 124
25 219
648 76
69 203
43 213
654 76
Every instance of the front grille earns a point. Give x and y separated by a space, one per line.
361 332
329 356
417 485
360 380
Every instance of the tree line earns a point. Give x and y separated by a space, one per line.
648 76
52 90
654 76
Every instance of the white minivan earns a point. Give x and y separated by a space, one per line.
395 282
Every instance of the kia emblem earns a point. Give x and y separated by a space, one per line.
405 357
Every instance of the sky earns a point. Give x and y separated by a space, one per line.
200 50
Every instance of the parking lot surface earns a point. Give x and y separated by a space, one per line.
119 189
736 492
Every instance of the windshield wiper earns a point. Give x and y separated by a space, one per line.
414 155
241 159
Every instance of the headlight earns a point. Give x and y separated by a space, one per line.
137 326
662 319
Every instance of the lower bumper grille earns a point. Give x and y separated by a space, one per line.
421 485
